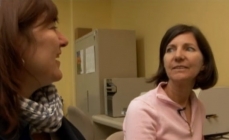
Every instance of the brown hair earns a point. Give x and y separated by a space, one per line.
16 20
206 78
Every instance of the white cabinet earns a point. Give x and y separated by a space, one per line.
114 56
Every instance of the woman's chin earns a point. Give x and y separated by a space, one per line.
57 76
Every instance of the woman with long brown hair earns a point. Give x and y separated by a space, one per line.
30 44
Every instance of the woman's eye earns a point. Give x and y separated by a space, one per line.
190 49
53 28
169 49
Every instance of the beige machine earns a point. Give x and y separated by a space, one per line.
216 103
102 53
118 93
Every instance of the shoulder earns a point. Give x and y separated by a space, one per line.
143 105
68 131
198 103
23 133
201 108
1 137
148 99
141 118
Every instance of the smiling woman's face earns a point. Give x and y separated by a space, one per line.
42 54
183 59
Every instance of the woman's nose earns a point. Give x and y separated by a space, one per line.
63 40
179 55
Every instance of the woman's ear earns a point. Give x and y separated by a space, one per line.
23 61
202 68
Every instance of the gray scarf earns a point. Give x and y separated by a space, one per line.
43 111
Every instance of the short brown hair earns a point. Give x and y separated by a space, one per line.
206 78
16 19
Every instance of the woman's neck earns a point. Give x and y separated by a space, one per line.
27 91
29 86
179 92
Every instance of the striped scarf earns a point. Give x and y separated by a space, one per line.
43 111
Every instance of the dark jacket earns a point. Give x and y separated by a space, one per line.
66 132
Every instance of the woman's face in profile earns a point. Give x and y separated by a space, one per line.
183 59
41 56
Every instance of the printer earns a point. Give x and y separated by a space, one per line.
216 103
118 92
